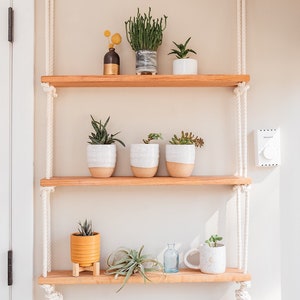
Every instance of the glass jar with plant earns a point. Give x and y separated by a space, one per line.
180 154
144 34
184 64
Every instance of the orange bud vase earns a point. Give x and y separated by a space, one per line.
85 250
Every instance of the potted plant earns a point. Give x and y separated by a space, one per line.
101 149
144 158
144 34
180 154
128 262
212 256
85 249
183 64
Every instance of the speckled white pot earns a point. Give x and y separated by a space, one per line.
144 159
180 160
101 159
185 66
212 260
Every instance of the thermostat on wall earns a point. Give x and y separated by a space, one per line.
267 147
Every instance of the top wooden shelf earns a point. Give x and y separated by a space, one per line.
145 80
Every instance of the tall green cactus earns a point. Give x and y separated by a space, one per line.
145 33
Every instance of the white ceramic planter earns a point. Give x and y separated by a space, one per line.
180 160
212 260
101 159
144 159
185 66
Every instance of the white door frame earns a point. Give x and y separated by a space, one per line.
19 117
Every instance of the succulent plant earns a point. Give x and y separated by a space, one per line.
85 228
143 32
213 240
101 136
187 138
126 262
182 50
152 136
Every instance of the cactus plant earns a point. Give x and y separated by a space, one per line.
187 138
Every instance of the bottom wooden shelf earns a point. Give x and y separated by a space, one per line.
183 276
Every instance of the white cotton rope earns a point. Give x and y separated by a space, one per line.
239 227
51 94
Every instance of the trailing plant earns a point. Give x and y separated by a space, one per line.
126 262
182 50
213 240
187 138
85 228
143 32
152 136
101 136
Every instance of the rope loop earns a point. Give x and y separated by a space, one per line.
241 89
49 89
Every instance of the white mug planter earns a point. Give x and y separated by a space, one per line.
144 159
185 66
101 159
180 160
212 260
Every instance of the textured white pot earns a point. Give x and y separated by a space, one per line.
185 66
212 260
180 160
101 159
144 159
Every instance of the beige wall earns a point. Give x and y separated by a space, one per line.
132 216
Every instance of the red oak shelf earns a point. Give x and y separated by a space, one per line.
183 276
210 80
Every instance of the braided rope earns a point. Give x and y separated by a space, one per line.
50 292
246 228
242 293
239 227
49 36
45 191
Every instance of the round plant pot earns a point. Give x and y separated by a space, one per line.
146 63
101 159
185 66
212 260
85 250
144 159
180 160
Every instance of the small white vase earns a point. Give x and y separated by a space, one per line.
180 160
101 159
185 66
144 159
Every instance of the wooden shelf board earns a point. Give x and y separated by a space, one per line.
153 181
183 276
210 80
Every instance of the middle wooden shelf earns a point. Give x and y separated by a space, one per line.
134 181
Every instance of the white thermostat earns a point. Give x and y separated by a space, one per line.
267 147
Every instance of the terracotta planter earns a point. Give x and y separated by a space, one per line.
85 250
180 160
101 159
144 159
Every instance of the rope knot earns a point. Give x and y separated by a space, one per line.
241 89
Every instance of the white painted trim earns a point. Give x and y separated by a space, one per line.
23 149
4 150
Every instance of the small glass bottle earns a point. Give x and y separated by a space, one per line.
171 259
111 64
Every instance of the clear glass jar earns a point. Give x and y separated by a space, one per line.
171 259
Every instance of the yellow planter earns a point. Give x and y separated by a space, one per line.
85 250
